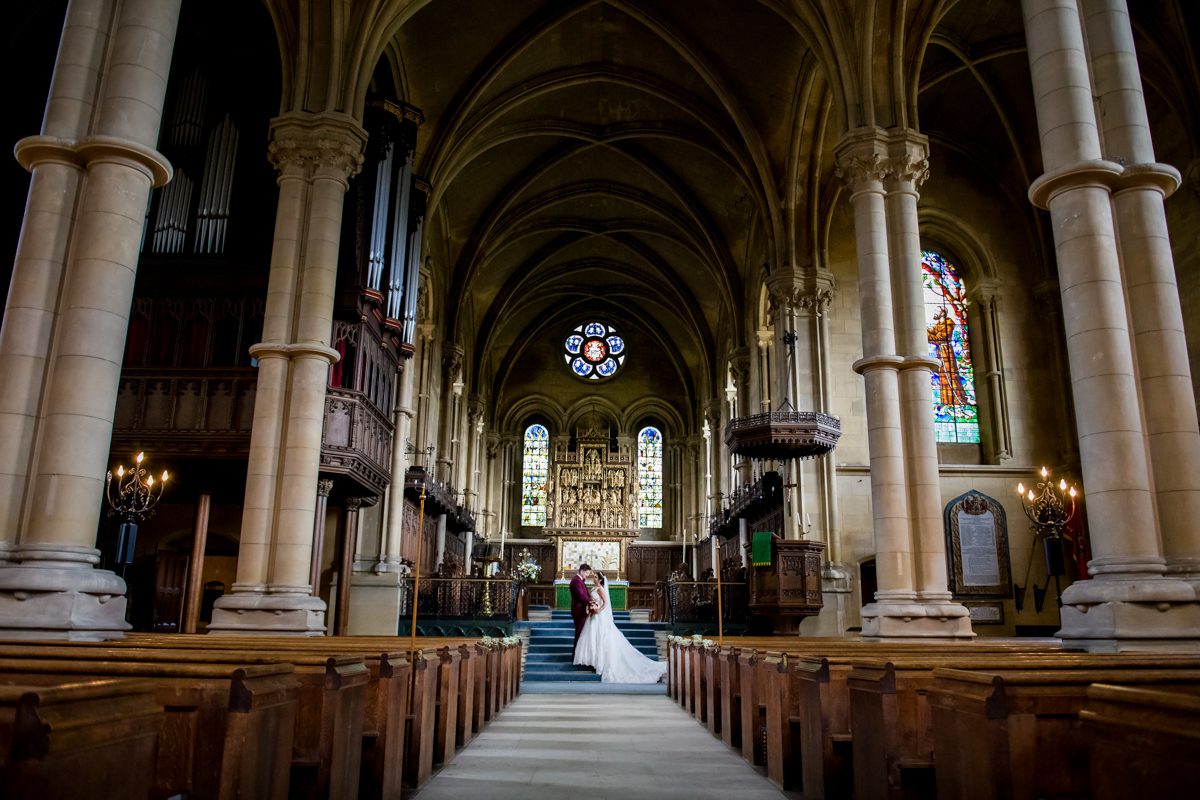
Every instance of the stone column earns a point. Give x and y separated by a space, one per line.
908 168
341 622
315 154
1129 598
195 572
452 360
912 599
67 312
324 487
739 369
1149 271
492 469
764 369
393 524
712 456
989 366
441 541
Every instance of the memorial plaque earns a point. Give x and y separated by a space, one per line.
977 546
986 613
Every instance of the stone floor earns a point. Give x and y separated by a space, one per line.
597 747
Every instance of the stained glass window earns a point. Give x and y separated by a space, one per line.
955 412
535 469
650 478
594 351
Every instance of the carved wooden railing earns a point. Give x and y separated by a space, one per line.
641 597
186 411
356 439
540 595
692 602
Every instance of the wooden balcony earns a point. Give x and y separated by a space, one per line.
356 439
197 412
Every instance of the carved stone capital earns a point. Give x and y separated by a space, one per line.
712 414
793 291
326 145
452 361
984 292
868 157
476 404
739 366
324 487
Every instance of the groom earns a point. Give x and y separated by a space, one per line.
581 601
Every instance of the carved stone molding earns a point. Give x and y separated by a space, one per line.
328 145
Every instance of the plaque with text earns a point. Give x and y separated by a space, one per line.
977 546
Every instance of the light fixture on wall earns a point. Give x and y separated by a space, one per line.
132 495
1050 507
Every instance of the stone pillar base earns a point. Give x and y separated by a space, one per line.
916 620
1140 612
50 601
836 593
374 603
255 614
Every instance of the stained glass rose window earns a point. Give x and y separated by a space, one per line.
594 351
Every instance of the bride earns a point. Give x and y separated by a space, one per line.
603 647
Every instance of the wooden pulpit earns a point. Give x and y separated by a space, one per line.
789 589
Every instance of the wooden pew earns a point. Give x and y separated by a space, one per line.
418 762
730 697
491 662
1016 733
1142 742
446 722
227 730
92 739
765 689
383 760
327 743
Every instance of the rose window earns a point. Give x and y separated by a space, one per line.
594 351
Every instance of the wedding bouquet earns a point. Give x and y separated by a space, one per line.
528 571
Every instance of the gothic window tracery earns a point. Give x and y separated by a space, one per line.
955 409
650 478
535 469
594 351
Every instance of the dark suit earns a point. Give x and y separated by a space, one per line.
580 600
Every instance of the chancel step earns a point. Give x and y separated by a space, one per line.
551 646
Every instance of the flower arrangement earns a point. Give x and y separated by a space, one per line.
527 571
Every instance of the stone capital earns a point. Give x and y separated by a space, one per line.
452 361
328 145
324 487
739 366
794 291
874 159
984 292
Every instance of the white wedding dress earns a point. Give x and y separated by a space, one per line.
603 647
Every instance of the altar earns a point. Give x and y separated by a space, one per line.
591 512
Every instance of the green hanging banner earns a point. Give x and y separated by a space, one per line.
760 548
